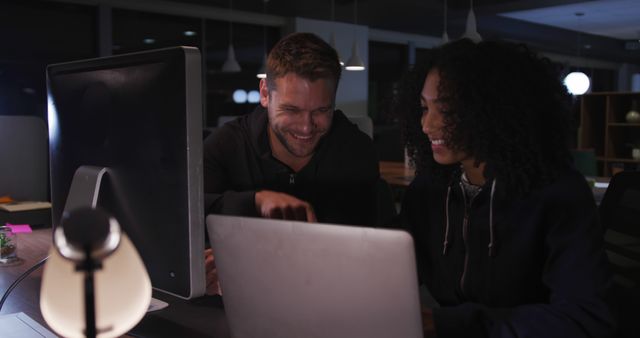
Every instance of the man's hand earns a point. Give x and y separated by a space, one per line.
271 204
213 284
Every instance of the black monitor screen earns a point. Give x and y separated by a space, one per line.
140 116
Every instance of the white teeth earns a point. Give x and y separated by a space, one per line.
437 142
302 137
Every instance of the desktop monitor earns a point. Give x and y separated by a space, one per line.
138 118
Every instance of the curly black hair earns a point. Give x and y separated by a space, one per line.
502 104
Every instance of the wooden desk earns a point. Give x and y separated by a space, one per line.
396 173
38 217
32 247
201 317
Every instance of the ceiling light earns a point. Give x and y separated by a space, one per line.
262 72
231 65
240 96
445 36
471 31
332 35
355 62
149 41
189 33
577 83
253 96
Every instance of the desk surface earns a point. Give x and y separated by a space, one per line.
201 317
32 247
396 173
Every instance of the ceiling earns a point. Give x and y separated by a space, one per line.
610 28
618 19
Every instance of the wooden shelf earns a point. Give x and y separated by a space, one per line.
623 160
623 124
604 129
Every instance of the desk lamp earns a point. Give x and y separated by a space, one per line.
94 283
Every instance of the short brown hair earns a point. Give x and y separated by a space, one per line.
303 54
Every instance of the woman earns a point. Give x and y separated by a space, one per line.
507 234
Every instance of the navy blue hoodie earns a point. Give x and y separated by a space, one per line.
511 267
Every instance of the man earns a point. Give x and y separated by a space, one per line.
294 157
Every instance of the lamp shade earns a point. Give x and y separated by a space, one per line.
122 293
262 72
445 37
231 65
471 32
577 83
354 63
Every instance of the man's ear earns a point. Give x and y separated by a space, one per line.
264 93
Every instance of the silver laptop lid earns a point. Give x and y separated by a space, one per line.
296 279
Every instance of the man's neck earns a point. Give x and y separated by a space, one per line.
283 155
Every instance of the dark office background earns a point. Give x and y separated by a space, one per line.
35 33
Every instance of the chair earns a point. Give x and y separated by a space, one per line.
585 161
24 161
620 215
364 123
24 167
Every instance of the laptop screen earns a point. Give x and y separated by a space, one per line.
296 279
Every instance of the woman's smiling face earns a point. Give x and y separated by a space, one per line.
433 124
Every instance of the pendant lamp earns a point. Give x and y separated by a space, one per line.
231 65
577 82
445 36
471 31
355 62
332 35
262 72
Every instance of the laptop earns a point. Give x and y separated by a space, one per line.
297 279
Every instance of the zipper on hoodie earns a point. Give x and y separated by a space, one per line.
292 179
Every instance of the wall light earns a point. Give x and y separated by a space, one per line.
577 83
240 96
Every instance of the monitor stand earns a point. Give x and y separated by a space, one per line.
85 187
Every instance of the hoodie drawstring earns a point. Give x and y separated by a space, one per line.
445 243
491 238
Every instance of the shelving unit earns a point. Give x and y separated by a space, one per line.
604 129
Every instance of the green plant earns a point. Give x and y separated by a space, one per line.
7 248
4 240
